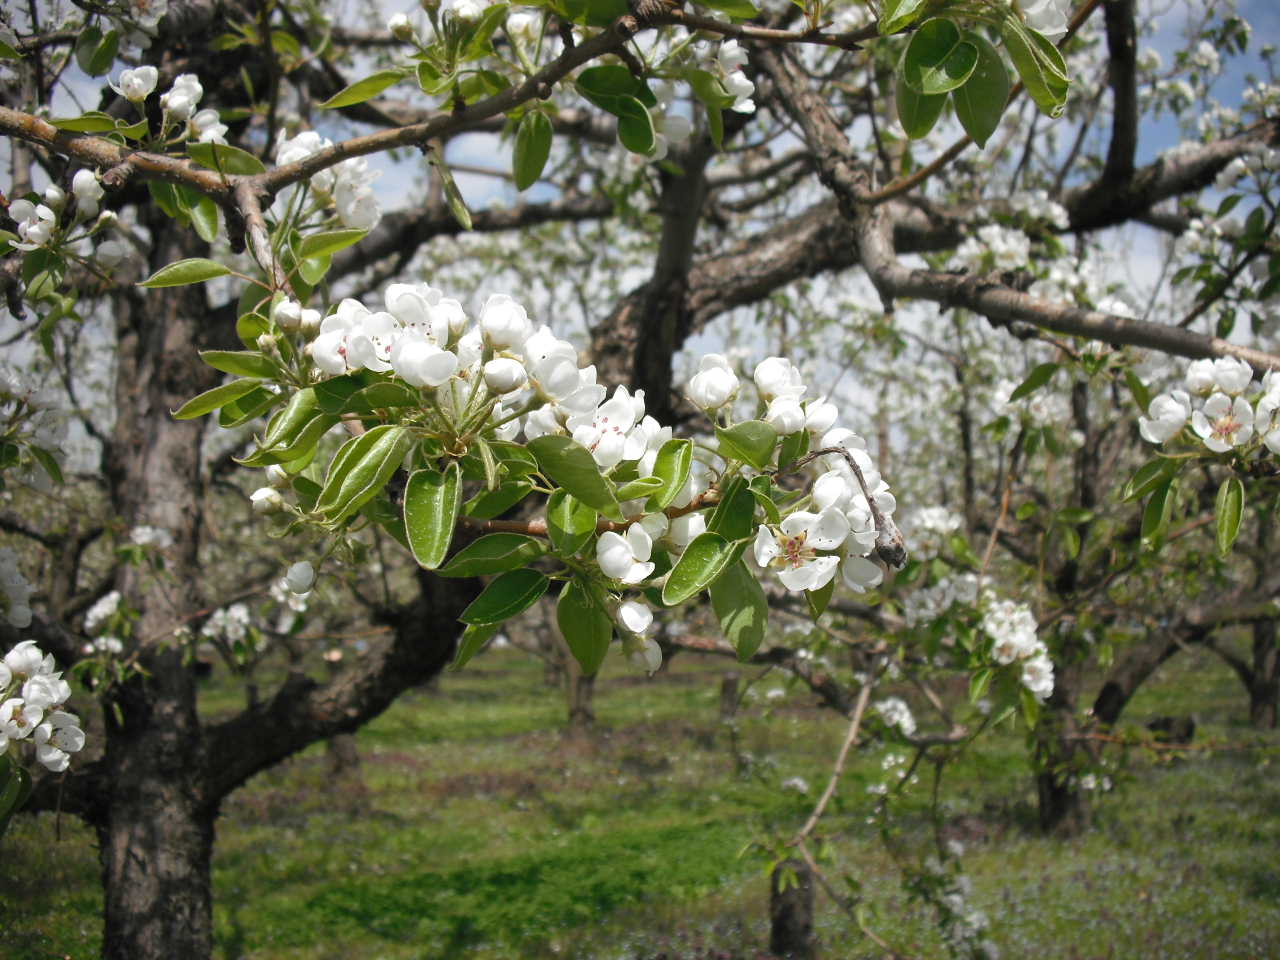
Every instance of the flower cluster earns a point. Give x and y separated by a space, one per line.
1012 629
348 185
1215 406
896 713
929 528
32 697
840 530
731 58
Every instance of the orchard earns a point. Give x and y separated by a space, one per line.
945 327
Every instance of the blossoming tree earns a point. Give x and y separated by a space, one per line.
395 396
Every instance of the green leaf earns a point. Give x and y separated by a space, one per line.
1228 511
817 600
980 103
533 147
570 465
1039 64
360 469
938 59
452 195
204 217
1035 380
1149 476
8 53
1155 516
762 489
363 90
91 122
511 593
916 112
241 363
896 15
471 642
280 443
639 487
488 504
703 560
493 553
214 399
1030 707
95 53
431 503
182 272
793 447
635 126
601 84
741 608
1141 395
225 158
333 395
328 243
48 463
751 441
585 624
734 516
979 683
249 407
480 44
672 466
570 523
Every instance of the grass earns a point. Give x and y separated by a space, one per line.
475 829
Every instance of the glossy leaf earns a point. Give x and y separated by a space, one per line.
734 516
896 15
741 607
938 59
493 553
570 523
182 272
1155 516
432 499
570 465
214 399
511 593
488 504
751 441
329 242
586 626
472 641
1228 511
533 147
672 466
1039 64
703 560
363 90
367 465
1035 380
639 487
241 363
1149 476
981 101
225 158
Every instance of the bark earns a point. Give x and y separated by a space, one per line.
155 825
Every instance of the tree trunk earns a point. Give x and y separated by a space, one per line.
1063 807
156 838
791 911
155 825
1264 688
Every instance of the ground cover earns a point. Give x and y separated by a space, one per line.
474 828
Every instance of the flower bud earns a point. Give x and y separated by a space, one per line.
54 196
266 500
278 477
267 343
310 324
400 27
504 322
714 385
301 577
504 375
287 314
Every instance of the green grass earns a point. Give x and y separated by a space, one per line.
475 829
